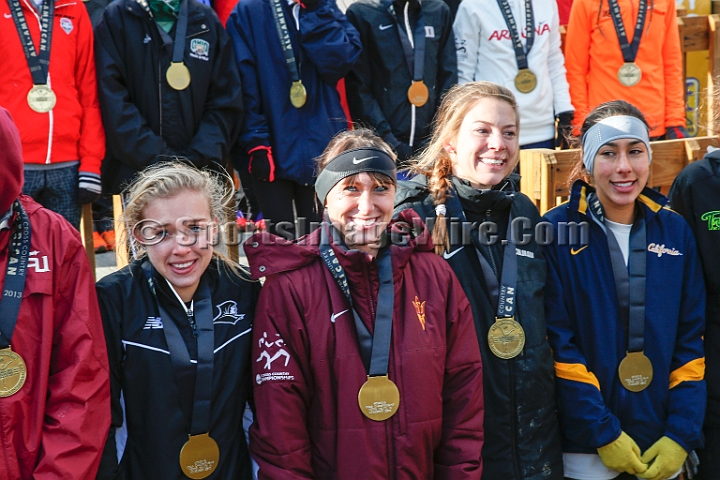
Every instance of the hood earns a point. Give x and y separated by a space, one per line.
269 254
11 162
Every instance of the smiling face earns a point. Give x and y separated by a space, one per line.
361 209
620 173
484 151
184 252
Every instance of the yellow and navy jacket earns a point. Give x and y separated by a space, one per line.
589 339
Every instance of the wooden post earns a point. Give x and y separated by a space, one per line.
713 71
121 253
86 232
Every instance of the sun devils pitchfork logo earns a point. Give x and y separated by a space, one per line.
420 310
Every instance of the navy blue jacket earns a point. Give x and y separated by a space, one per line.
589 340
325 48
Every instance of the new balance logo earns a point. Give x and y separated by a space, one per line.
153 323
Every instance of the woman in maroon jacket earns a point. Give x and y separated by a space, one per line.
365 360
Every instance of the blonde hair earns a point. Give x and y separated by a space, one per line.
434 161
168 179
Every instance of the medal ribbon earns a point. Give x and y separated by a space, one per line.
629 51
630 280
180 33
284 35
374 349
38 61
508 278
15 274
180 357
414 49
521 53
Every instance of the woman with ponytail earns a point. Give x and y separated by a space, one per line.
468 196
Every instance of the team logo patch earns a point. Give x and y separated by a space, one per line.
199 49
66 24
712 219
38 263
272 351
228 313
662 250
153 323
420 310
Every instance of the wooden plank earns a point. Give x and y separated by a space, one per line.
694 33
669 158
713 70
121 253
86 232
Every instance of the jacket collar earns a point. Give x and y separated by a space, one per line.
652 200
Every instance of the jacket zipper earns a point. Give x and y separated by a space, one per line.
513 423
160 98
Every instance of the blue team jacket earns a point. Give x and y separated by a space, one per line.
589 340
325 48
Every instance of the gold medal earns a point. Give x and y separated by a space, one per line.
199 456
298 94
525 81
506 338
178 75
635 371
41 98
379 398
13 372
629 74
418 93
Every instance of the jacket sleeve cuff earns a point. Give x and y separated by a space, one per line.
90 165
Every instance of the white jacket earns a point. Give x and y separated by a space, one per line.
485 52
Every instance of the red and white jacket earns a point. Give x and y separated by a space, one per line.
55 426
73 129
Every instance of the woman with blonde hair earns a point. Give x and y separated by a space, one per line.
366 366
177 324
482 225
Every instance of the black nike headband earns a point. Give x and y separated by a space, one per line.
350 162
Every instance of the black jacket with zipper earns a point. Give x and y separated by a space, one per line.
145 119
377 86
522 437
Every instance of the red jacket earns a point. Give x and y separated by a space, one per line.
55 426
308 423
73 129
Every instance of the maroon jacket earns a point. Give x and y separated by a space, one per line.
308 368
55 426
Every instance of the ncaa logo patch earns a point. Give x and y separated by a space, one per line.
199 49
66 24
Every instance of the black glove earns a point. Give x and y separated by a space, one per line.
89 187
564 129
672 133
262 164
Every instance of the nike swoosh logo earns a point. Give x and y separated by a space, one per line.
575 252
385 27
356 161
7 15
448 256
336 315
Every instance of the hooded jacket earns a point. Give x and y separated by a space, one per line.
694 195
73 130
589 341
485 52
377 86
308 369
59 336
325 46
147 120
522 437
